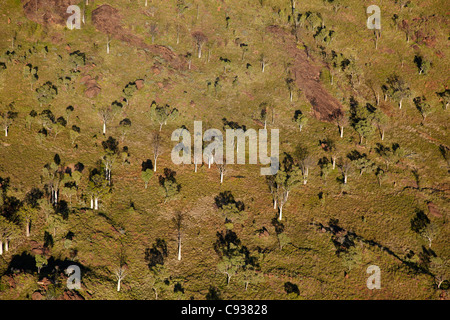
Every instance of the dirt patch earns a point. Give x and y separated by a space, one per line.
105 19
108 20
307 78
48 11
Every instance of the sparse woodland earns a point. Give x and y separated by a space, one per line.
86 176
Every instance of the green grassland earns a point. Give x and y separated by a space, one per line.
131 218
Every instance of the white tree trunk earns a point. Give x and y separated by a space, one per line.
400 104
154 167
334 163
6 245
342 131
281 213
221 177
118 284
1 247
96 204
179 249
28 229
6 131
104 127
274 203
92 203
345 179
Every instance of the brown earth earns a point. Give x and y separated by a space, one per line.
108 20
48 11
105 19
306 76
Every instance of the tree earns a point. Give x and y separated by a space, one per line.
440 270
381 121
108 113
422 64
263 61
300 119
74 133
423 106
397 89
200 39
7 231
444 97
129 90
341 119
46 93
55 222
53 173
162 114
30 118
6 119
160 280
345 167
380 174
169 184
222 169
97 188
120 272
230 265
249 275
430 232
146 176
110 156
125 125
361 119
325 168
157 148
363 164
178 222
364 129
291 85
285 179
41 261
69 186
305 165
153 30
263 113
28 214
233 211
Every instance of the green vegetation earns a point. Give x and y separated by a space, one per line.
84 111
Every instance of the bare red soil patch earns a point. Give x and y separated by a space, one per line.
307 78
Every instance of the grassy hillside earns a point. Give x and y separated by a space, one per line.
320 60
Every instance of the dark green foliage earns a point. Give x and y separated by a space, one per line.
46 93
419 222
